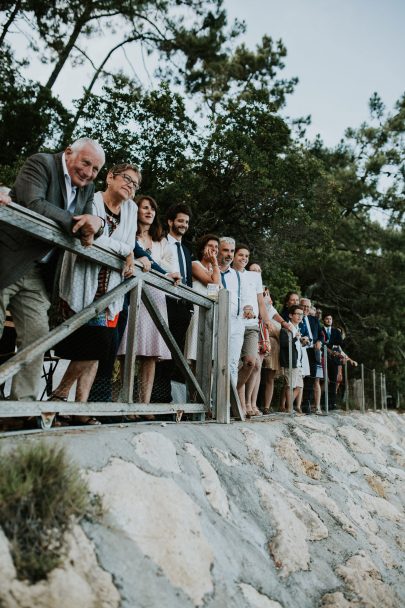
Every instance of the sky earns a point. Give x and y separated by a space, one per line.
341 51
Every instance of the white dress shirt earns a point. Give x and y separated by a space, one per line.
172 244
70 188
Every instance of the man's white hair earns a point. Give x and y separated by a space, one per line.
77 145
227 239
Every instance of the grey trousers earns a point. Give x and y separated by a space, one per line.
28 302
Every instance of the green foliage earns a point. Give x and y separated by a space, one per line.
41 490
31 118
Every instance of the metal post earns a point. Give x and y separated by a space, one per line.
374 392
326 378
346 387
290 386
362 388
385 393
381 391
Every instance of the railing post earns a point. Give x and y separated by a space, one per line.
374 392
381 391
385 393
346 387
362 388
204 352
290 386
326 378
130 357
222 358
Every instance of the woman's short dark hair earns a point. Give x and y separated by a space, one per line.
122 167
156 230
202 243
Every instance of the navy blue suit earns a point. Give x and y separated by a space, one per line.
334 341
179 316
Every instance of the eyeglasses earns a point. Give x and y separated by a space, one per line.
128 179
299 314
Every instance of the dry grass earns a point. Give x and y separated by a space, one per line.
41 492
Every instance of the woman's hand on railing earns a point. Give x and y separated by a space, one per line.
4 199
146 263
176 277
129 266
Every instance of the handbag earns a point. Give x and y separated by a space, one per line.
264 345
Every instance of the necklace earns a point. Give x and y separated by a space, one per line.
113 218
146 241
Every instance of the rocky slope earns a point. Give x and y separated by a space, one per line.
273 513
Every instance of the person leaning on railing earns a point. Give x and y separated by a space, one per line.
150 345
59 187
82 282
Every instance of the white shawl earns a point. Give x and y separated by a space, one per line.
79 277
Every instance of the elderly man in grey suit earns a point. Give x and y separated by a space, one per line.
59 187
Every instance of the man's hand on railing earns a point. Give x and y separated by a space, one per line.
89 226
4 199
176 276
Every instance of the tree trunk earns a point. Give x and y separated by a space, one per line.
10 21
64 55
93 82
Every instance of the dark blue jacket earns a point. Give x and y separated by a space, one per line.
139 252
316 329
335 337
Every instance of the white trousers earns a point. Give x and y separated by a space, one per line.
237 333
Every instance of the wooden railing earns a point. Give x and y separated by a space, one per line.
210 384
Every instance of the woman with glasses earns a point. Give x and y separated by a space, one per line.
82 282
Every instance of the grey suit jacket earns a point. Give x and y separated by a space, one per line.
40 186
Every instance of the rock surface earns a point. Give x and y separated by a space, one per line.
275 513
79 581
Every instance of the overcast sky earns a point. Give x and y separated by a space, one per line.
341 50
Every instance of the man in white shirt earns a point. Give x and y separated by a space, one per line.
178 311
231 281
252 305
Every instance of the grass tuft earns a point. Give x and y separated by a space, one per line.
41 492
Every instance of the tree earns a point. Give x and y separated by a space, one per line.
31 118
360 275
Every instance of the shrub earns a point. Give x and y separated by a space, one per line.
41 491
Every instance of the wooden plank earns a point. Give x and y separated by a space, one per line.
130 357
47 230
222 358
40 346
171 343
236 408
205 352
14 409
